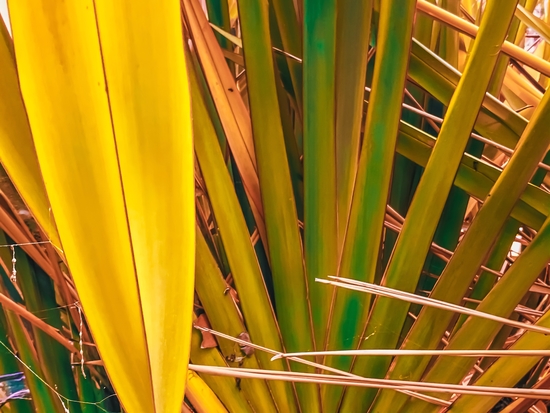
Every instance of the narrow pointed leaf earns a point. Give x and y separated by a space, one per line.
285 252
224 316
414 241
229 104
289 29
255 303
507 371
364 233
475 246
352 41
475 176
501 301
284 241
320 209
495 121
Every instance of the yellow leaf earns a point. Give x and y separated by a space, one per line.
110 115
16 147
201 396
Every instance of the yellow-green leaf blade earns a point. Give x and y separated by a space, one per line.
320 209
387 316
361 246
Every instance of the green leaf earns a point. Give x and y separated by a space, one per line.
223 315
289 29
352 43
9 364
39 294
320 205
87 390
475 176
361 246
471 252
495 121
218 14
255 303
283 236
44 399
388 315
507 371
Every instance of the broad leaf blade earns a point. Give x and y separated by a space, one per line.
74 129
17 152
145 70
